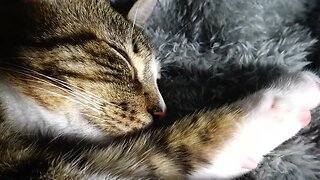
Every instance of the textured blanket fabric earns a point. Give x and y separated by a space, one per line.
216 51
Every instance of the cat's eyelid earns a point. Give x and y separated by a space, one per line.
125 57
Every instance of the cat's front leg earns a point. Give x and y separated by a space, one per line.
271 116
221 143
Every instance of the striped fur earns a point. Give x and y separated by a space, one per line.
77 89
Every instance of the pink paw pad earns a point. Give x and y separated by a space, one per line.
249 163
274 107
305 117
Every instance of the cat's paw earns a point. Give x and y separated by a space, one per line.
298 91
272 116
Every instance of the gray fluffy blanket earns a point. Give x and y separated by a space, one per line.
216 51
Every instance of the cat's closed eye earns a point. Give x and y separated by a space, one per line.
125 57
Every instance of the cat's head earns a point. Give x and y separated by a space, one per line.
82 60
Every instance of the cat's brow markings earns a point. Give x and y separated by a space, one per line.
71 39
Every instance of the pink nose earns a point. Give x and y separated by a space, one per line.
158 112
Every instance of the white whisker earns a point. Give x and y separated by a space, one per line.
67 91
135 19
65 84
39 80
80 91
67 97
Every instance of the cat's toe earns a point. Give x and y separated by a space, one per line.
292 97
249 163
301 90
304 117
310 89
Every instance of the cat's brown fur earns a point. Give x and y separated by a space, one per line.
74 57
89 36
77 42
166 154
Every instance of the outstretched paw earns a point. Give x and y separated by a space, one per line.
272 116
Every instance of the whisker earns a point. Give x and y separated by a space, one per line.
63 83
65 90
39 80
66 85
56 137
135 19
74 89
67 97
73 93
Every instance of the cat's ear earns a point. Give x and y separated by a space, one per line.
141 11
138 11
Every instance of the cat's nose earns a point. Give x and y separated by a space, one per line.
158 112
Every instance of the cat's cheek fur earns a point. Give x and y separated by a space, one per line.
31 118
273 116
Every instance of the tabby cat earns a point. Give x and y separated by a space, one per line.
78 89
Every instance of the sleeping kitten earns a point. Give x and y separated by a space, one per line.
78 82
